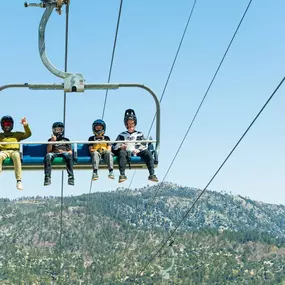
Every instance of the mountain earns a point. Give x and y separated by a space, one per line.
117 238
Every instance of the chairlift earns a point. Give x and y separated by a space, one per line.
33 153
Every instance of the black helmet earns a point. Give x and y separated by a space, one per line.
99 123
58 129
9 122
130 115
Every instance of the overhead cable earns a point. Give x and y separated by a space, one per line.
171 235
113 55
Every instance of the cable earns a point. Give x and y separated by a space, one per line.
105 102
113 54
64 119
106 95
66 56
174 61
171 69
198 109
132 180
88 200
171 235
204 97
170 72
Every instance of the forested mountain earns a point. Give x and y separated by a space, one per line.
113 237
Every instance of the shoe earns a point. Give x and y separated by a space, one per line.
19 185
122 178
70 180
153 178
95 176
111 175
47 181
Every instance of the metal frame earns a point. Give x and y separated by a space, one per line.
94 86
74 82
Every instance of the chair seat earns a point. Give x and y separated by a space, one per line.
33 158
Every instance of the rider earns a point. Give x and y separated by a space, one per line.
58 150
99 150
133 148
12 150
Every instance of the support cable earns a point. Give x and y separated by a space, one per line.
113 55
204 97
172 234
173 63
170 72
64 120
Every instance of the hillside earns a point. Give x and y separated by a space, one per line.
109 238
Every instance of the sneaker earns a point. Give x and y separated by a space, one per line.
111 175
122 178
153 178
19 185
70 180
95 176
47 181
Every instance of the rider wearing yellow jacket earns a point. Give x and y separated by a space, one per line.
12 150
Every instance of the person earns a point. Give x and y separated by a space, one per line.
58 150
12 150
123 150
99 150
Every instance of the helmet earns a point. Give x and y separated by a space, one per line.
99 123
58 129
130 115
7 123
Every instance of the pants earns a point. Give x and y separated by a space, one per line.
145 155
107 156
52 155
15 156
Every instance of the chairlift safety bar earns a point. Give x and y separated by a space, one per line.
79 142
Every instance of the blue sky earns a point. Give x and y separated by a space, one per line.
149 35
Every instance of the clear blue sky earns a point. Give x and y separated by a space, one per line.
149 35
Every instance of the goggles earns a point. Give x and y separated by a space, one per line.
58 130
98 127
7 124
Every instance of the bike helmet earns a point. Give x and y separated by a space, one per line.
58 129
130 115
7 123
99 123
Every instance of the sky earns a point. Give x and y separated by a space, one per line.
149 35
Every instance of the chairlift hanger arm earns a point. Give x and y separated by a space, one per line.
72 81
42 45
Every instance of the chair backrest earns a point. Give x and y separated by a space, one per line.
34 150
83 150
33 159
